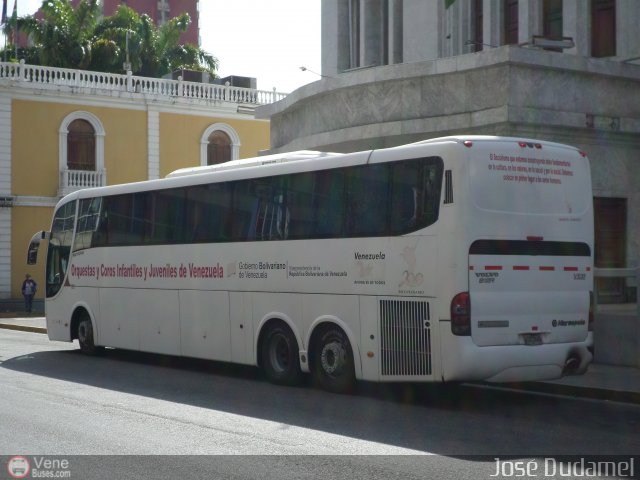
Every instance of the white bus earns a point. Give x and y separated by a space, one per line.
453 259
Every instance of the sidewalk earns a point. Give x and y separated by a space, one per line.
24 322
603 382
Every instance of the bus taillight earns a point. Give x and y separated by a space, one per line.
461 314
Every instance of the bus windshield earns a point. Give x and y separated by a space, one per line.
59 247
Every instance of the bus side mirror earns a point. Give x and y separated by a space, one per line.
34 245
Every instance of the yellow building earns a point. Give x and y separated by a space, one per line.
62 130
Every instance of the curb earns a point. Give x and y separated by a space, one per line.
23 328
593 393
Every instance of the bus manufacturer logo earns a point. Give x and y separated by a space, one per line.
567 323
487 277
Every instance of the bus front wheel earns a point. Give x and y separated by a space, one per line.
279 355
333 367
85 336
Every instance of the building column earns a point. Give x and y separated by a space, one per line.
153 143
395 31
370 33
5 252
422 30
492 21
450 30
628 34
5 191
334 36
529 20
576 16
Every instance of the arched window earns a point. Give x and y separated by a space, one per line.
81 152
219 148
81 146
219 143
81 142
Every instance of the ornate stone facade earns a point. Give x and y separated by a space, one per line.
435 84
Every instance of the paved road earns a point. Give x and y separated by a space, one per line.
55 401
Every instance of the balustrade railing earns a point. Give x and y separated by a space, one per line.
72 180
53 76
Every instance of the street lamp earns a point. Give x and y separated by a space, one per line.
305 69
127 64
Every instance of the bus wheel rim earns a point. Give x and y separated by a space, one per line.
83 332
333 358
279 354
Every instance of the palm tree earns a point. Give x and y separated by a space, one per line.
63 38
118 39
73 38
154 52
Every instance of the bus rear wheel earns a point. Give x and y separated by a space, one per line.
85 337
333 366
279 355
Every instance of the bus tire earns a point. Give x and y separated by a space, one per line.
86 338
279 355
333 367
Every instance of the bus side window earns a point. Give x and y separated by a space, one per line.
328 204
100 237
219 212
164 216
259 212
254 207
208 212
243 206
140 221
299 202
430 187
88 222
415 194
119 208
405 194
367 200
269 216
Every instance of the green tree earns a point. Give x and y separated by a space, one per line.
153 51
63 38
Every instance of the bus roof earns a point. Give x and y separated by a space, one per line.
254 162
490 138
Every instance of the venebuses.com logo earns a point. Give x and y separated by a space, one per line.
18 467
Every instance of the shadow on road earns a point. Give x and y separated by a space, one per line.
426 418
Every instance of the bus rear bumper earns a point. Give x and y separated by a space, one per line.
514 363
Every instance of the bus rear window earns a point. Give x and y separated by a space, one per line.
533 248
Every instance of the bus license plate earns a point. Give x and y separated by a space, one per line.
532 338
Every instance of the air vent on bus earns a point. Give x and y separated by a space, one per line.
448 187
405 338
